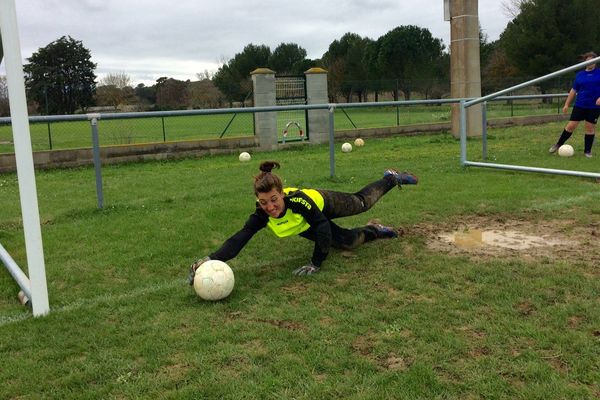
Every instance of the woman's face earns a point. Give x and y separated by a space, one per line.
272 203
590 66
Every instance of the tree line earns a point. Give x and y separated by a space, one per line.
542 36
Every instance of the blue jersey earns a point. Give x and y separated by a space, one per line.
587 86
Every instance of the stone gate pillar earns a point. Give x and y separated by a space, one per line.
316 93
465 63
265 123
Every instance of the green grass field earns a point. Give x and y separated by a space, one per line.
77 134
394 319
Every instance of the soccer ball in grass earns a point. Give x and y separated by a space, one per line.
245 156
346 148
359 142
566 150
214 280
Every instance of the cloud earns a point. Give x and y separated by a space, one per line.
148 39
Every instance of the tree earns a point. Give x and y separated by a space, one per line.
233 77
109 95
512 8
60 77
288 59
114 89
171 94
411 55
375 83
146 94
344 60
119 80
548 35
206 75
204 94
498 72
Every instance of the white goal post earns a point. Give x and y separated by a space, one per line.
24 157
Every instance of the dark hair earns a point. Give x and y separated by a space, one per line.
589 54
267 181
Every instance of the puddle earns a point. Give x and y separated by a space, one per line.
514 240
488 237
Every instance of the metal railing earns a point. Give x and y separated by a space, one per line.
70 131
331 107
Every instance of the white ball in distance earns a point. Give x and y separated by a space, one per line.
245 156
346 147
359 142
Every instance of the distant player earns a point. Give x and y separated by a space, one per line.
586 88
309 213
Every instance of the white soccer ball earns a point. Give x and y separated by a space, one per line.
346 147
359 142
566 150
214 280
245 156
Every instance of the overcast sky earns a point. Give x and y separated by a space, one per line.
148 39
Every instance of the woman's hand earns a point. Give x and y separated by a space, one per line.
194 267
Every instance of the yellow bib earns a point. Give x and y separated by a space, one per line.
292 223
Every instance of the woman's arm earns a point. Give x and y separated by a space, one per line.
236 243
569 100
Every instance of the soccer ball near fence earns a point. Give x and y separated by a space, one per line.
346 148
566 150
214 280
245 156
359 142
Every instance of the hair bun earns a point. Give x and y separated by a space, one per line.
267 166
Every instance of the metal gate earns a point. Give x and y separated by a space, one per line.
292 125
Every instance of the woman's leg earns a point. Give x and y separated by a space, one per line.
348 239
590 134
338 204
565 135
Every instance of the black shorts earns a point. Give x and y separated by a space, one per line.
588 114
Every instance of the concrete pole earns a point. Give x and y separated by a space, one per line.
265 123
316 93
465 63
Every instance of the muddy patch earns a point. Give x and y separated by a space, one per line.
530 240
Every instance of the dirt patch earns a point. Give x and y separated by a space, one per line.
489 237
394 363
282 324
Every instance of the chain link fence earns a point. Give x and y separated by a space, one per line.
50 135
76 134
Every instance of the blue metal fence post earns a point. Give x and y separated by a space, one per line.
331 142
96 153
484 129
463 133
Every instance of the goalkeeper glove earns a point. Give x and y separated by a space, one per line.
194 267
